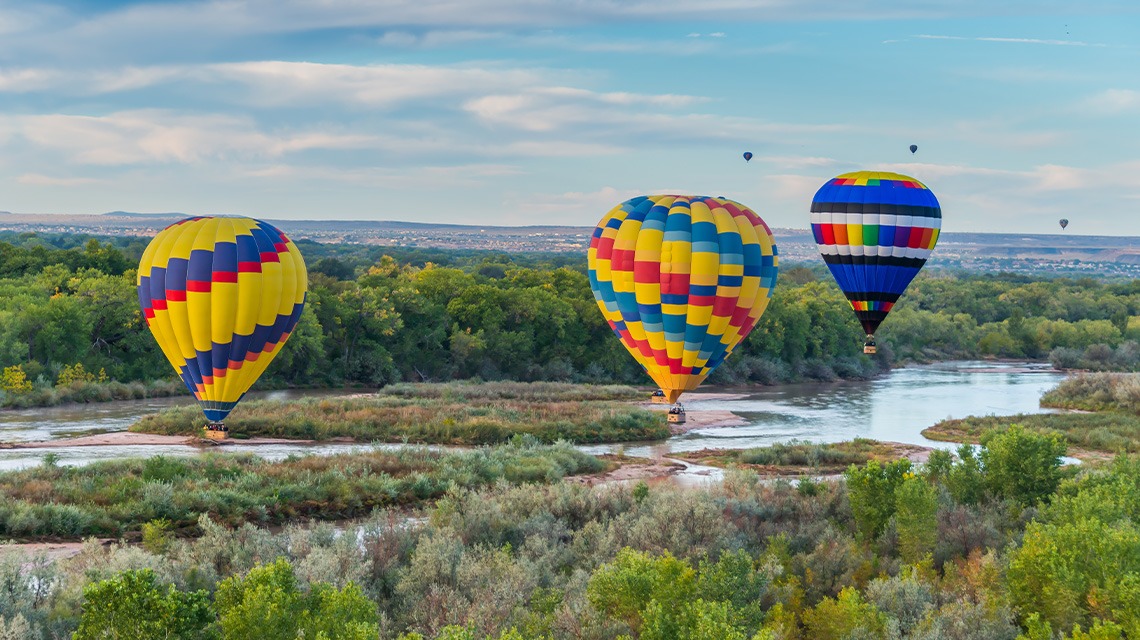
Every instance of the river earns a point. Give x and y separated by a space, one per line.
894 407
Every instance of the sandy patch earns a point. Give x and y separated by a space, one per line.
51 550
701 419
256 441
630 469
114 438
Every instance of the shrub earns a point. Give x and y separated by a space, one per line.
15 381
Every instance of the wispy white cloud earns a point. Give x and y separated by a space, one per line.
1113 101
157 136
291 83
1061 43
40 180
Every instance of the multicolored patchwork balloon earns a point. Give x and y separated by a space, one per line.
221 296
681 280
875 230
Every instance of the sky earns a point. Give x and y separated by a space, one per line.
519 112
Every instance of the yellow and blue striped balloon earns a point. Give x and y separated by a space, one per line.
221 295
681 281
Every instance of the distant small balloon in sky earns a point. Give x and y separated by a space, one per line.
1064 223
747 156
913 148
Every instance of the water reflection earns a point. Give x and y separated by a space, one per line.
896 407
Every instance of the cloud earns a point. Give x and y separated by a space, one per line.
156 136
570 206
40 180
432 176
1113 101
163 30
1061 43
279 83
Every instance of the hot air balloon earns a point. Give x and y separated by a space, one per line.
221 296
875 230
681 280
913 148
747 156
1064 223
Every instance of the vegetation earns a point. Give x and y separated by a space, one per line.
456 413
378 316
798 457
1092 435
953 550
123 497
1112 427
1096 392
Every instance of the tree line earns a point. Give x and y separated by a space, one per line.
379 316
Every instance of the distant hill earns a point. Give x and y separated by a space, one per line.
132 214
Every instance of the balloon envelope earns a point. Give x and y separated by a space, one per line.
913 148
875 230
1064 222
221 295
681 281
747 156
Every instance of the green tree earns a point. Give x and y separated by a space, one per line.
1021 465
268 604
625 588
916 518
839 619
133 606
871 491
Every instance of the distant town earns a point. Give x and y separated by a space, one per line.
1070 255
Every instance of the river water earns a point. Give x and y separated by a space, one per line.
895 407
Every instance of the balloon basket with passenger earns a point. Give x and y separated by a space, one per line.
215 431
677 414
869 345
659 397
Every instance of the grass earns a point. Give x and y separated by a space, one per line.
83 392
1105 433
118 498
800 457
453 413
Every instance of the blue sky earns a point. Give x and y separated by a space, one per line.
552 111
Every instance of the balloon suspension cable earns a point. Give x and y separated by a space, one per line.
869 345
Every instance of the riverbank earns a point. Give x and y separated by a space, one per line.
129 438
85 392
1091 437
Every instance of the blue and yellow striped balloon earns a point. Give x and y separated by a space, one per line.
875 230
681 281
221 295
